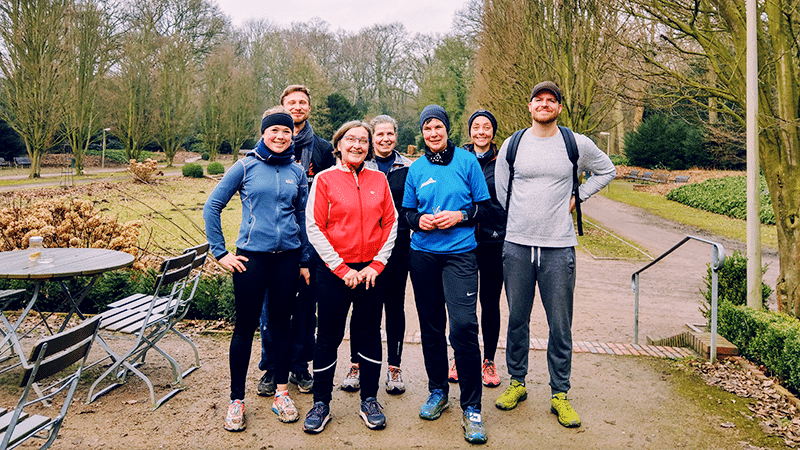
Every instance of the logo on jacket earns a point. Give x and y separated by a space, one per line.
430 181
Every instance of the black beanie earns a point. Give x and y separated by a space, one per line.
484 113
434 112
280 118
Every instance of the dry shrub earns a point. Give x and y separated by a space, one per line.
65 222
146 171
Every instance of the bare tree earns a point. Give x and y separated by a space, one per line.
523 42
33 34
91 39
711 34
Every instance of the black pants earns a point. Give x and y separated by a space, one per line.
446 287
272 275
333 304
394 278
303 325
490 272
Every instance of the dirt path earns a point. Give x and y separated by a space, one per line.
624 402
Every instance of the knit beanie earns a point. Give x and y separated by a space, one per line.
434 112
484 113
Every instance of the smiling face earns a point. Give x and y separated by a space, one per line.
277 138
385 139
481 132
544 107
435 135
298 105
354 146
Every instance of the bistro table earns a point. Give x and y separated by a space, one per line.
55 264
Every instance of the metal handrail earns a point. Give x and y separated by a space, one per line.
717 261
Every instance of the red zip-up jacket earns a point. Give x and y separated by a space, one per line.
351 218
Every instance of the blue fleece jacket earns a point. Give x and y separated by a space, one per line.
273 207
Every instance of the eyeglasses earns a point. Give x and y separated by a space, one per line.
352 140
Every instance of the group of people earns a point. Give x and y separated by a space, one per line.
330 227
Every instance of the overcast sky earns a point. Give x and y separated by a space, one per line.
418 16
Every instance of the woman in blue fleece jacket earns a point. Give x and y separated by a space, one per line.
271 244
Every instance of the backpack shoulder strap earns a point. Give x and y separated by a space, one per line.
572 153
511 155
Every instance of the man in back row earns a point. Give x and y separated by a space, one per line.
315 155
540 242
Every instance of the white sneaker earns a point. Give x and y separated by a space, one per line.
352 381
234 421
284 407
394 380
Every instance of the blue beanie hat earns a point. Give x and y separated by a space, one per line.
484 113
434 112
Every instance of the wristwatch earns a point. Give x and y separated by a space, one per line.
464 216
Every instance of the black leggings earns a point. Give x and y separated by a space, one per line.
275 274
333 303
394 277
490 273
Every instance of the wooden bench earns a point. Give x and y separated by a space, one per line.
22 161
646 176
632 175
660 178
681 179
4 163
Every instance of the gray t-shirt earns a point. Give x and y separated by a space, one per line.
538 214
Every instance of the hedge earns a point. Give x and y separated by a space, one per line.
764 337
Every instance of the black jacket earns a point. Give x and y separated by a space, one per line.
491 225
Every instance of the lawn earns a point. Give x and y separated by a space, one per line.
657 204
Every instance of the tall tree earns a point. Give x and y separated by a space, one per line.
131 91
522 42
713 34
91 40
33 39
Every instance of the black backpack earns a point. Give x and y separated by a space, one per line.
572 152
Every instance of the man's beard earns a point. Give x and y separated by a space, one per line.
543 118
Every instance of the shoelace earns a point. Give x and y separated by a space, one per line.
317 410
491 370
394 374
435 397
353 372
373 407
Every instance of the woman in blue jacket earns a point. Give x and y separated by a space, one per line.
271 244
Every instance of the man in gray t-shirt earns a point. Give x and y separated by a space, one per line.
540 243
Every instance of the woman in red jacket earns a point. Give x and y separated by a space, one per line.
352 224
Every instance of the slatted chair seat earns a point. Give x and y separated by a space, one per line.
148 318
50 356
646 176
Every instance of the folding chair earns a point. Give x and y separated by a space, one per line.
177 309
50 356
147 319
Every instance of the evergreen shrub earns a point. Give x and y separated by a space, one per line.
215 168
192 170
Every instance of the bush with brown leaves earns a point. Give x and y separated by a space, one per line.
65 222
146 171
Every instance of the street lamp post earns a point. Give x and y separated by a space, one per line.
103 157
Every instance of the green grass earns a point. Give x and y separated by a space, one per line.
602 245
717 224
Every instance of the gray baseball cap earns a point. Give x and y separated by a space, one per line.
546 86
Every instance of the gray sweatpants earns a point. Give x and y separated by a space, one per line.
554 271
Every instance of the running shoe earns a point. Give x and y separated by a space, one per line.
234 421
266 386
474 432
433 407
317 417
394 381
514 394
452 374
559 405
284 407
489 372
352 381
303 380
372 414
